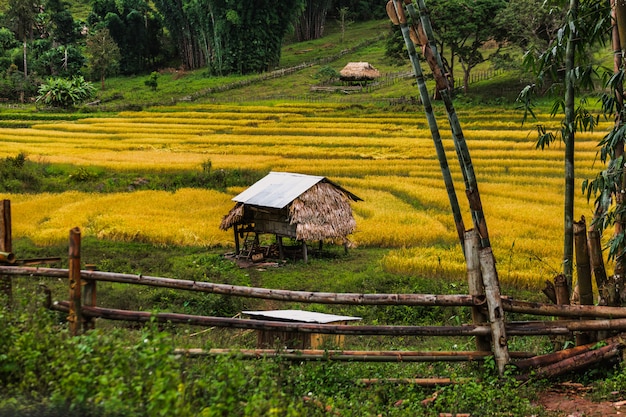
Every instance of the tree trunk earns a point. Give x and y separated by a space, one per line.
311 23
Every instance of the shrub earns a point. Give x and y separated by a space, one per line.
61 92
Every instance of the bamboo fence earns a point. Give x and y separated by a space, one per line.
82 309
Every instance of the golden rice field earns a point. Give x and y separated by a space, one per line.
387 158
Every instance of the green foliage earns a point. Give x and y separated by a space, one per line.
136 29
152 82
103 54
16 176
64 93
22 175
327 74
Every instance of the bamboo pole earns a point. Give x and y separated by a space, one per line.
564 311
235 323
554 357
475 284
6 247
460 144
423 382
346 355
451 300
583 266
396 14
578 362
539 328
496 313
583 270
445 300
75 316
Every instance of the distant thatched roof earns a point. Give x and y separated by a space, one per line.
359 71
317 207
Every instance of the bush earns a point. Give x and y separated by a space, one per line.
61 92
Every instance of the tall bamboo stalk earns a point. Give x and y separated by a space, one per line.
399 18
460 145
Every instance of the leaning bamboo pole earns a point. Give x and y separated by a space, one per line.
396 15
460 144
581 361
554 357
452 300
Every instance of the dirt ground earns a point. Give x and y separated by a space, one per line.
572 400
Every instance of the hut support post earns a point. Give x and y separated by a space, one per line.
236 239
281 250
583 269
6 246
475 284
305 255
75 316
494 305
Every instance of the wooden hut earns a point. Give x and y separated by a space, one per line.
297 206
359 71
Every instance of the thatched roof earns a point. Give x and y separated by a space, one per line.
319 208
323 212
359 71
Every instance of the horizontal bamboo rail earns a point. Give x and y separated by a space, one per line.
452 300
177 318
349 355
536 328
252 292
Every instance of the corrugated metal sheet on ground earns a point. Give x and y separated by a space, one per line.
299 316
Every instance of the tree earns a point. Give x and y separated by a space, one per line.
530 24
21 16
103 54
310 24
229 36
134 26
463 27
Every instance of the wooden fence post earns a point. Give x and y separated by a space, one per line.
583 269
494 304
6 245
89 298
75 316
475 284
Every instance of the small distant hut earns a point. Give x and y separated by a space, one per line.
297 206
359 72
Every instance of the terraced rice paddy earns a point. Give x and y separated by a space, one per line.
385 157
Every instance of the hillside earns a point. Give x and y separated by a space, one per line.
362 42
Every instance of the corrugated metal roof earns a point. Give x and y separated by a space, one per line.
299 316
277 189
